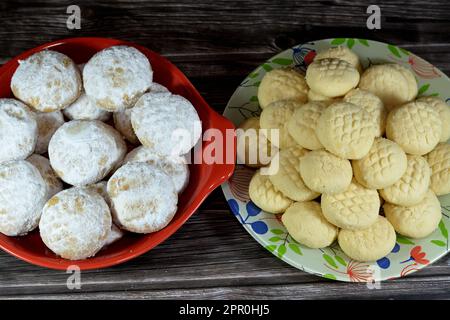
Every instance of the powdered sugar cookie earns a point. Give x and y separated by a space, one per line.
253 147
372 104
263 193
116 77
302 124
276 116
390 83
307 225
412 186
114 235
85 108
370 244
83 152
282 84
331 77
346 130
355 208
439 161
23 193
324 172
101 188
48 123
143 197
75 223
415 126
47 81
416 221
174 166
18 130
287 178
122 119
166 123
54 184
342 53
444 114
384 164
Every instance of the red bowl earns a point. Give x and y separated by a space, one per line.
204 177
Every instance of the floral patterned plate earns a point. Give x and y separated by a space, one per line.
408 255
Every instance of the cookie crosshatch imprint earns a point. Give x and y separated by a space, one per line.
251 195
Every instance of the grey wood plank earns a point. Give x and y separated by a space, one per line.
437 288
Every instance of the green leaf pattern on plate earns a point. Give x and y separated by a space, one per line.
404 240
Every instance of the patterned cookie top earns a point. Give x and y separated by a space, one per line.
342 53
276 116
383 165
54 184
18 130
83 152
302 125
23 192
75 223
388 83
116 77
439 161
47 81
372 104
346 130
355 208
331 77
281 84
143 197
416 221
48 123
285 169
264 194
415 126
444 114
412 186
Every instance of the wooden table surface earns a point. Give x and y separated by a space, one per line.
216 44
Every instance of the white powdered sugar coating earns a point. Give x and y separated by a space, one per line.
114 235
85 108
54 184
143 197
48 123
100 188
23 193
116 77
168 124
47 81
174 166
18 130
122 119
75 223
83 152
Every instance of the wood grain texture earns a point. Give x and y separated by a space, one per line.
216 44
